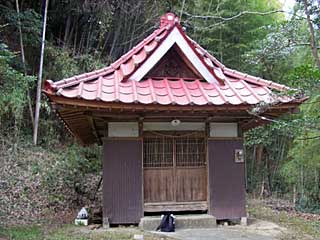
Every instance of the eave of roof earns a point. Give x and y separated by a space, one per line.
174 91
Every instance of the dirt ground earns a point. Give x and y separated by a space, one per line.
256 230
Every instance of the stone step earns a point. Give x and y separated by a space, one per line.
150 223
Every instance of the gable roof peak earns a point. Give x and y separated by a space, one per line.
136 63
169 19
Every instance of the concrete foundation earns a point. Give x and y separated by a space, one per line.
150 223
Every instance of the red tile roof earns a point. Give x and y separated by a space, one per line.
171 91
113 84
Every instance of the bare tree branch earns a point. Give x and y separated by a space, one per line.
232 17
222 19
301 45
4 25
182 7
307 138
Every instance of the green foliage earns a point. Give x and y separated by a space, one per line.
60 63
226 36
276 54
305 77
14 87
300 166
29 20
57 58
290 145
303 167
274 140
263 135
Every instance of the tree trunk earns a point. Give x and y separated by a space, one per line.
71 34
132 32
66 32
75 39
262 188
252 167
294 195
313 43
88 38
115 39
23 59
301 182
259 152
259 167
38 99
80 47
21 39
269 177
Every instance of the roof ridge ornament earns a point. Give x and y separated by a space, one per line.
169 19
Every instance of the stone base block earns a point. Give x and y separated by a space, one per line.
150 223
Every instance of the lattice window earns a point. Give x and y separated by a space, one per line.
158 152
166 151
190 152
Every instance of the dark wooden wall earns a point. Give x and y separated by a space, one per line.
122 181
226 180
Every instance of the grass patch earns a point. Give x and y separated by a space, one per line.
71 232
299 228
21 233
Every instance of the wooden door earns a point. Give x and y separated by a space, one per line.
190 169
174 169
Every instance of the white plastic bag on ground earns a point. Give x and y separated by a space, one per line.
83 214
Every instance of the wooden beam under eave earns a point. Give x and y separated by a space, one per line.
164 114
253 123
77 124
127 115
169 118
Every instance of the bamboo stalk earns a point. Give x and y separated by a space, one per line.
23 59
38 99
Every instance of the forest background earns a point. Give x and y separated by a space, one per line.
257 37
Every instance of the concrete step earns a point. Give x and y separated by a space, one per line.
150 223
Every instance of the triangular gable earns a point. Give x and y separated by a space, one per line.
176 36
174 64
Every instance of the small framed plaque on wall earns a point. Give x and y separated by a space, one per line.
238 156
